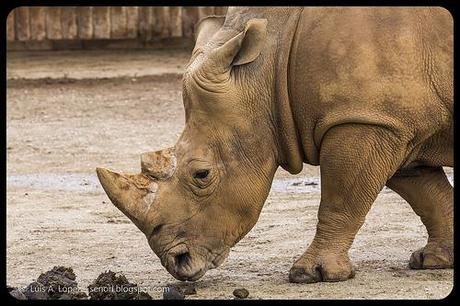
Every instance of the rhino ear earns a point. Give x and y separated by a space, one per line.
244 47
255 34
206 28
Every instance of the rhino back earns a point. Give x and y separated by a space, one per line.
385 66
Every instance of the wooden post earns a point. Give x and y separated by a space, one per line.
69 22
101 22
117 22
204 11
132 21
160 22
175 23
220 10
145 20
10 25
165 21
22 23
189 19
85 22
157 22
53 23
37 23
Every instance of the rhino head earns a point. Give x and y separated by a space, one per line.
196 200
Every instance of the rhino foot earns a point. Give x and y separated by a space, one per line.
434 255
327 268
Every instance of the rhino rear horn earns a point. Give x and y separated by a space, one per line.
159 164
133 194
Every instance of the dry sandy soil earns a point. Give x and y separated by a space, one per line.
63 122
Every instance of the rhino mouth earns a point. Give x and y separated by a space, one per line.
186 265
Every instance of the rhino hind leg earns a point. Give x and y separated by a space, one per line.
351 178
430 195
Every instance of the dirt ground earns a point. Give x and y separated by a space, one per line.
70 112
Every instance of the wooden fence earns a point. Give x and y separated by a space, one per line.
38 27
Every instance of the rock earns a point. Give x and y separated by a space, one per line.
65 296
112 286
185 288
173 293
80 296
60 281
36 291
56 284
188 289
241 293
144 296
16 293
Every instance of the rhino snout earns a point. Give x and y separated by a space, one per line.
188 264
184 265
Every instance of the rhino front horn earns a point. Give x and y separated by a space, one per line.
133 194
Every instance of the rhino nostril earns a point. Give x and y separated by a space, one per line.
182 259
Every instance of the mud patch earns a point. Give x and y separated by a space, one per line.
297 185
173 293
77 182
312 185
179 291
58 182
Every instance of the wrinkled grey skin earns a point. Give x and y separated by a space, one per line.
366 93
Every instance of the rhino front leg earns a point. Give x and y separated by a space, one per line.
356 161
431 196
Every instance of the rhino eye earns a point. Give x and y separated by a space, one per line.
201 174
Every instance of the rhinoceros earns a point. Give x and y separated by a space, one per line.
365 93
